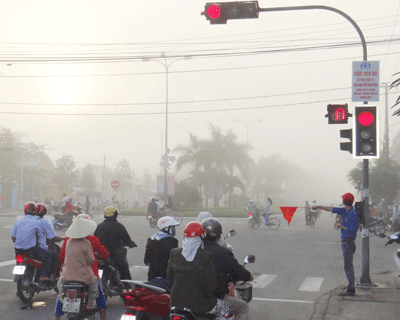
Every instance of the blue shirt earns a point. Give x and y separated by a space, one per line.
349 221
26 232
45 231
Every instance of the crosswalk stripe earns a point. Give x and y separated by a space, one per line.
311 284
263 280
7 263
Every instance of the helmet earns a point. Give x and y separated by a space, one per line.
251 200
110 212
166 225
30 208
212 227
41 209
157 198
64 194
153 199
165 222
193 229
83 216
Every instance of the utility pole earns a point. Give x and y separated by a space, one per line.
104 172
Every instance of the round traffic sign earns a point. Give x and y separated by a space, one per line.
114 184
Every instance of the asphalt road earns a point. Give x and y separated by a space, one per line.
294 266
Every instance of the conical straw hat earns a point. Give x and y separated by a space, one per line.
81 228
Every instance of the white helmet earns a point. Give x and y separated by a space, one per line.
166 222
251 201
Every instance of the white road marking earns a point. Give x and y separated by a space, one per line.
263 280
311 284
7 227
283 300
7 280
7 263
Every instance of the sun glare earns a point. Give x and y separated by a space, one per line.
64 89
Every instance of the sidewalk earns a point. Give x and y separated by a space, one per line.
370 303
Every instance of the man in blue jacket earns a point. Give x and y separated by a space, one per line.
348 236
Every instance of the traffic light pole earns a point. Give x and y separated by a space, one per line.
365 279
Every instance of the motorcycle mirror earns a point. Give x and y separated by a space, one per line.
249 259
231 233
382 235
394 237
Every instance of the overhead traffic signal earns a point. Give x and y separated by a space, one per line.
338 113
221 12
366 133
347 146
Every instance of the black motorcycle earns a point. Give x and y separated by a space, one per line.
61 220
26 274
75 296
110 278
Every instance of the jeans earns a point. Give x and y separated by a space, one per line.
266 215
348 249
237 307
123 267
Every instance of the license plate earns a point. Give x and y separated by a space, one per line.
71 305
128 317
19 270
100 273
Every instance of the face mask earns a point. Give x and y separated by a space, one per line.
172 231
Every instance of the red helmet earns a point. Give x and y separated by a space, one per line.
30 208
193 229
41 209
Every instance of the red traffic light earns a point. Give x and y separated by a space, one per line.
214 11
365 118
338 113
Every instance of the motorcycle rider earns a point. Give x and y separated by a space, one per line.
191 275
396 218
169 206
100 252
24 235
221 242
227 269
159 246
46 232
114 237
153 208
68 210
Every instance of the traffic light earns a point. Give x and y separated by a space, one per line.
221 12
366 133
347 146
338 113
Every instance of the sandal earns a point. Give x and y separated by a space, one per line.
346 293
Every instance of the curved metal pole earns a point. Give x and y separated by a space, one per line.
365 277
355 25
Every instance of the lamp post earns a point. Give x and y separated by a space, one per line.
247 127
247 143
166 65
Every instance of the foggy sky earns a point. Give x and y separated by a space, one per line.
288 90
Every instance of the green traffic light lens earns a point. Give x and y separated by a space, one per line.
366 147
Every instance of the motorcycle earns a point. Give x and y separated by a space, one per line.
242 290
75 296
61 221
254 219
146 300
26 274
377 226
393 238
110 276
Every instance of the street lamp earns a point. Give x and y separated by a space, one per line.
280 146
166 65
247 143
247 127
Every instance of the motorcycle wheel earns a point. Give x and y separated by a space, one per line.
153 222
25 291
379 228
57 226
254 224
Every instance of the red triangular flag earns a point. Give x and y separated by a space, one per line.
288 213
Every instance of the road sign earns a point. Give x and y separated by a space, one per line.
288 213
365 81
114 184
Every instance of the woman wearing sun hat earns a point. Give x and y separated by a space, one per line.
79 257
